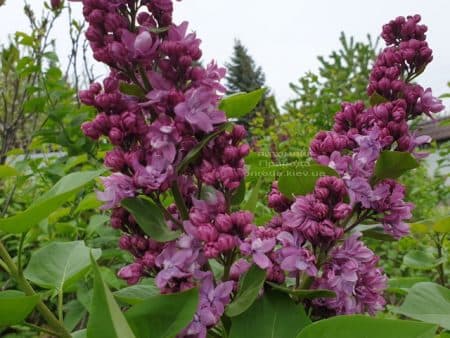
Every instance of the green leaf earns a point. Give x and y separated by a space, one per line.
195 152
296 181
15 307
7 171
131 89
368 327
239 195
106 319
401 285
150 219
376 99
163 316
250 205
59 265
136 293
420 260
61 192
392 164
89 202
428 302
79 334
249 287
304 293
274 315
442 224
240 104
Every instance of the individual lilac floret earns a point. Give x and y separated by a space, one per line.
200 109
352 274
213 300
117 187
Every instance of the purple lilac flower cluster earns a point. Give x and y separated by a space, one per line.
158 104
307 238
155 106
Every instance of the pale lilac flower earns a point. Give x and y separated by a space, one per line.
200 109
117 187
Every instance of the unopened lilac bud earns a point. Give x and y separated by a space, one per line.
207 233
244 150
224 223
116 136
226 242
239 133
90 131
342 211
131 273
115 160
56 4
125 242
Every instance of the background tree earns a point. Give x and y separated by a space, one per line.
243 75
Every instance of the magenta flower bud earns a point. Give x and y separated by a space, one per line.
96 16
131 273
125 242
207 233
101 122
185 61
87 97
244 150
197 73
116 136
116 222
342 211
113 22
94 34
114 159
88 129
230 153
224 223
226 242
211 250
242 218
56 4
118 51
144 19
149 260
239 133
129 121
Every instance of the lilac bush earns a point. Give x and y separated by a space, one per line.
174 148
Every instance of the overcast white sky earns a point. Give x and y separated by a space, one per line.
284 36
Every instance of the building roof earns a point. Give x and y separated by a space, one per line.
438 129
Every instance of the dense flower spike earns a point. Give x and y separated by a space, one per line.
157 106
353 275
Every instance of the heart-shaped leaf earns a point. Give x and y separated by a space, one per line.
428 302
59 265
150 219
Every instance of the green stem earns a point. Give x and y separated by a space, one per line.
28 290
19 254
60 306
179 201
41 329
440 267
